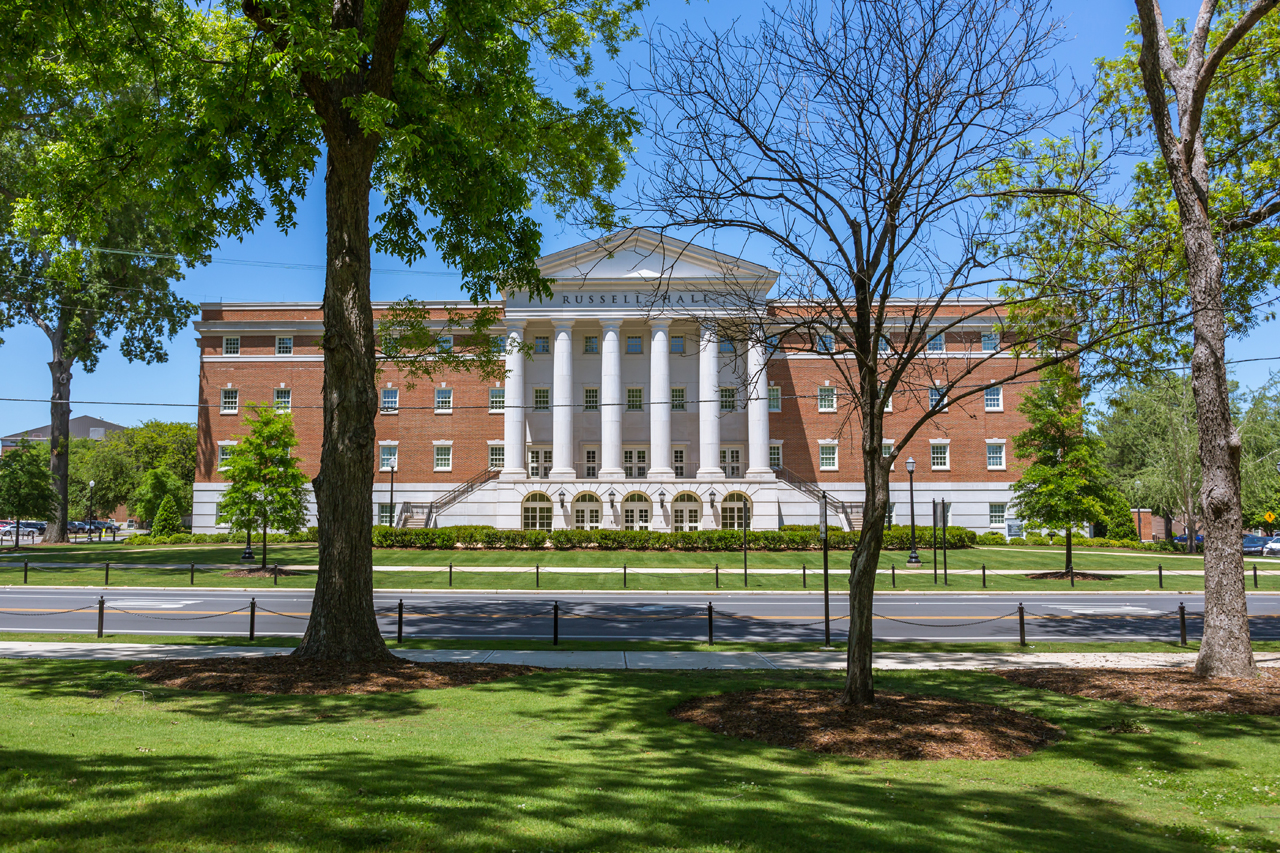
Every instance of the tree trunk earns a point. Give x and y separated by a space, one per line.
343 626
59 442
264 544
859 685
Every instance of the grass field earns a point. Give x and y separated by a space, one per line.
591 761
963 569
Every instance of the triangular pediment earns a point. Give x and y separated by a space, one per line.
643 255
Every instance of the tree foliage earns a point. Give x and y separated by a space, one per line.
268 489
167 521
25 489
154 488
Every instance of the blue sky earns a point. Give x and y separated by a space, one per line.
1095 28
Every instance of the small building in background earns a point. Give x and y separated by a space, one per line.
85 426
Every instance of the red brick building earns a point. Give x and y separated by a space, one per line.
634 411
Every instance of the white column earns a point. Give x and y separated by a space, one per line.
660 400
610 401
757 414
513 429
562 403
709 404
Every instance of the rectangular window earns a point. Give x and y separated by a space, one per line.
775 398
284 345
884 344
497 455
592 469
635 399
677 400
728 399
826 399
827 459
541 344
498 345
775 456
826 343
386 514
444 457
995 456
230 401
284 399
935 344
444 343
444 399
937 399
677 344
542 399
388 457
940 456
993 399
590 399
591 345
990 340
635 345
390 401
677 461
224 455
497 399
886 449
726 346
995 514
230 346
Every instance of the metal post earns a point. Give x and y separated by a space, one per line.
24 573
933 523
893 575
804 576
717 575
106 576
253 616
555 624
537 574
826 593
624 575
744 545
913 559
984 575
1160 574
1255 576
1022 625
450 573
102 612
711 631
944 542
193 574
1071 573
1182 624
400 623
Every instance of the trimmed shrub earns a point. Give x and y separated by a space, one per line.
167 522
992 537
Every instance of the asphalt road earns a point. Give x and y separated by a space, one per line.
635 616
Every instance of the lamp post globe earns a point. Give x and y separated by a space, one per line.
913 559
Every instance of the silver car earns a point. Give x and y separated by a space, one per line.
1272 548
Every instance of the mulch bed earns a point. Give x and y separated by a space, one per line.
259 573
1172 689
1066 576
897 726
282 674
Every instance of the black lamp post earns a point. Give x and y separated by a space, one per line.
91 515
744 540
393 488
913 559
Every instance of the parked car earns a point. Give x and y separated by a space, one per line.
1253 545
104 524
77 527
1182 540
1272 548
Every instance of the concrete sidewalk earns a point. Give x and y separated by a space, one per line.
636 660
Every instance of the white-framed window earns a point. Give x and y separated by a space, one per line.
826 399
497 455
231 346
590 399
591 345
726 346
936 344
886 449
990 341
888 402
826 343
591 463
444 343
775 398
284 345
386 514
635 399
775 455
995 514
224 454
444 400
677 344
388 457
993 399
284 399
390 403
635 463
828 457
635 345
731 462
995 455
939 456
728 399
677 461
677 400
937 399
230 401
498 344
885 346
444 457
497 399
541 344
542 399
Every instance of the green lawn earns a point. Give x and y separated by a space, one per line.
963 569
591 761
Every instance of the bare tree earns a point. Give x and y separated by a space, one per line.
850 139
1177 83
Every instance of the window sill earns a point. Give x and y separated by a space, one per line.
236 412
826 411
948 468
1001 468
497 411
443 411
828 470
389 411
443 470
994 411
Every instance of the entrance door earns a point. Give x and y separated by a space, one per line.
731 462
685 510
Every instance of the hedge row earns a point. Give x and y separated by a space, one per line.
1161 546
308 535
795 538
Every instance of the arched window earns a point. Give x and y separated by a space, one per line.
536 511
686 512
637 508
735 512
586 512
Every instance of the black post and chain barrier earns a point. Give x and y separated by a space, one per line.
1160 574
1022 625
624 575
24 572
717 575
555 623
400 622
984 575
1255 575
893 575
804 576
537 574
1182 624
106 578
253 617
1071 572
193 574
102 612
711 629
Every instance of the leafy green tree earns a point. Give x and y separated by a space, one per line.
108 466
156 486
167 521
1119 516
268 489
167 445
1065 485
25 490
1260 451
